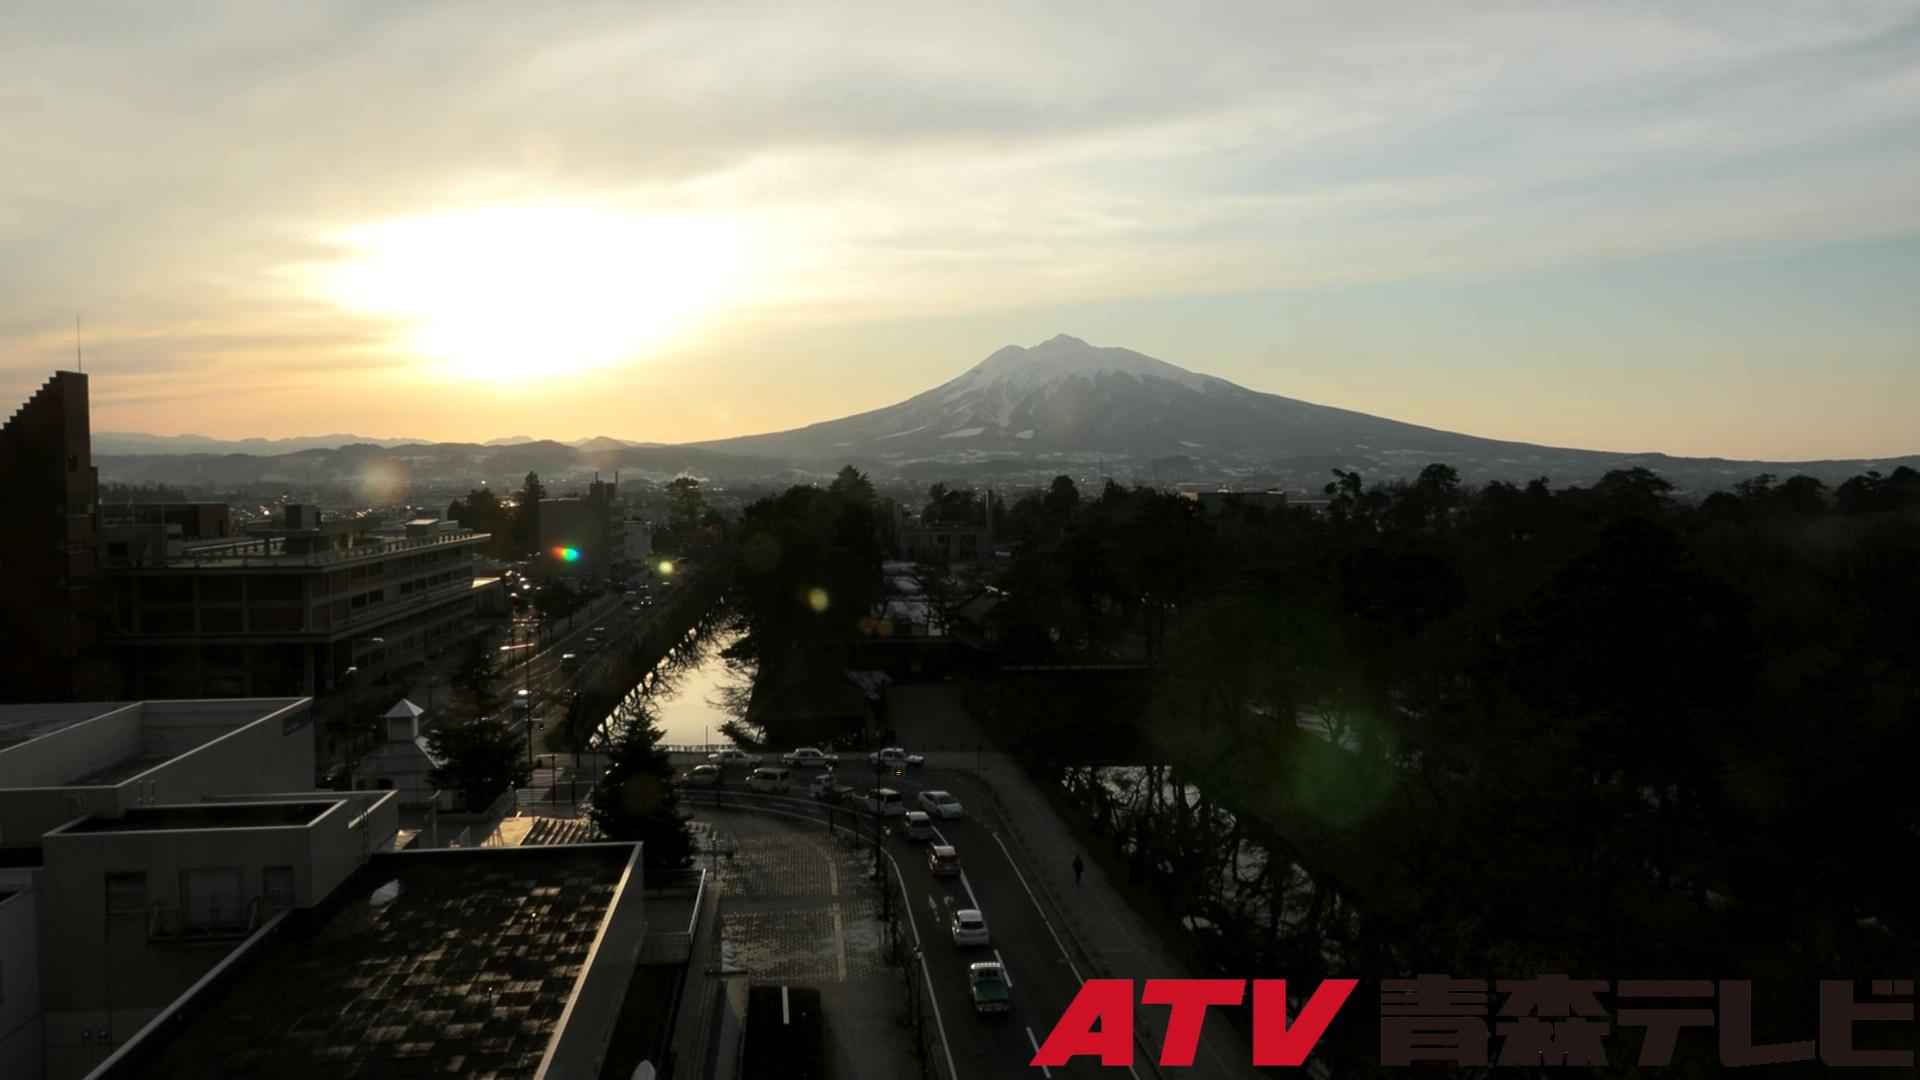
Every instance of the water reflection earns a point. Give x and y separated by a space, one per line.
694 689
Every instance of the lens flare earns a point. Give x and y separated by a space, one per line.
567 554
817 599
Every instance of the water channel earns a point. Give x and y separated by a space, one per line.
689 690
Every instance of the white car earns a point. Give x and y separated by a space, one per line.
970 928
918 826
940 804
733 756
809 757
703 776
895 757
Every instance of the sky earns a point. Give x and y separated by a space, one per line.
1689 227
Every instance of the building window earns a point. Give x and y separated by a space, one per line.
212 898
127 893
276 884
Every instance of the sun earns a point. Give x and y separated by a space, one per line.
516 293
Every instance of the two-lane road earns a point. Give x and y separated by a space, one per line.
1044 972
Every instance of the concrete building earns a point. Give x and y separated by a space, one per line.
185 521
955 543
289 608
196 910
51 589
584 536
115 829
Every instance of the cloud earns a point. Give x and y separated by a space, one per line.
168 164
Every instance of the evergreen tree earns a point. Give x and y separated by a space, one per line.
480 757
635 798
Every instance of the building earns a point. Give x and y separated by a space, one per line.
185 521
115 830
1269 501
291 607
473 961
195 909
51 589
583 536
954 543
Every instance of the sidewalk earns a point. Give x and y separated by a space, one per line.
1116 941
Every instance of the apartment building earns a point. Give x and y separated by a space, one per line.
290 607
50 578
583 537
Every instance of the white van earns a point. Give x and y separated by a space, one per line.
884 803
771 779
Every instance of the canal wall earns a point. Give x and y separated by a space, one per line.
629 661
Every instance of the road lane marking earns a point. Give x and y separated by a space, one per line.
1005 973
972 900
926 971
1042 912
1035 1043
839 944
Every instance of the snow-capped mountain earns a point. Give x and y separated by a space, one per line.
1065 396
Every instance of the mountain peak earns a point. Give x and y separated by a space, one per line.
1063 355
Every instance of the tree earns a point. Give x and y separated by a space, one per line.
471 684
480 757
557 600
526 516
1060 501
852 485
634 799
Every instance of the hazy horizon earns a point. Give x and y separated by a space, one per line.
1688 229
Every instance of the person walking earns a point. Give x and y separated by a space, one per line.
1078 869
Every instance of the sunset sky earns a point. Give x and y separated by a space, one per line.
1690 227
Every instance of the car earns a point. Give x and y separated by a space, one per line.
940 804
987 985
895 757
769 780
569 661
970 928
918 826
592 642
943 860
703 776
599 629
733 756
822 787
522 702
810 757
884 803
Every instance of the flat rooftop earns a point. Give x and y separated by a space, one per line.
241 815
101 744
465 973
21 723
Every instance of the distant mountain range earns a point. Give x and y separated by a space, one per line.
1022 414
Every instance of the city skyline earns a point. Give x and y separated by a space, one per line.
1688 230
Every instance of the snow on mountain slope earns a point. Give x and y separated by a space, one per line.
1065 396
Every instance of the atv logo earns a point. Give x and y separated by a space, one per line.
1099 1022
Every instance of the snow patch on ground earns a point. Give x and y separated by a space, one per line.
1195 445
1027 434
909 431
963 433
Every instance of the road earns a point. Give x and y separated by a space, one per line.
537 667
1044 971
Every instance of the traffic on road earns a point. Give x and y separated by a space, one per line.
998 972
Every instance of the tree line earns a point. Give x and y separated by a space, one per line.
1591 729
